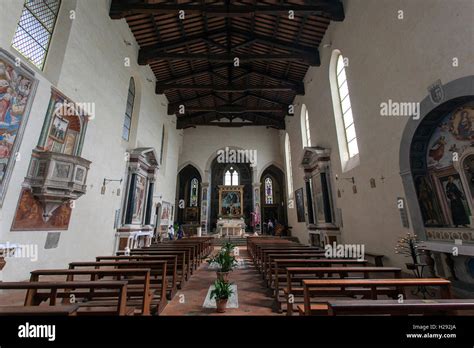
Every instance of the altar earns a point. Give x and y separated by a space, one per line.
231 227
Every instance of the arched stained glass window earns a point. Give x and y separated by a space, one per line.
193 197
268 191
231 177
289 170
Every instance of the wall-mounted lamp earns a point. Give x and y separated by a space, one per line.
106 181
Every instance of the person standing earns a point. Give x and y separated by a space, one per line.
171 232
270 227
180 232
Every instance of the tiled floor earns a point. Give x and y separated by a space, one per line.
251 291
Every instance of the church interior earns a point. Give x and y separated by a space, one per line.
227 158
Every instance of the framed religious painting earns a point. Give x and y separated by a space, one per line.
139 200
58 129
299 205
17 90
321 199
165 213
230 201
455 199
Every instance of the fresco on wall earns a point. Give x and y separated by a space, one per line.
454 134
28 216
17 89
468 168
446 192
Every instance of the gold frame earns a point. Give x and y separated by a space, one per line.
235 188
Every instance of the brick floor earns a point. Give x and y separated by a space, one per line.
250 287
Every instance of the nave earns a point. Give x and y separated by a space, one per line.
270 276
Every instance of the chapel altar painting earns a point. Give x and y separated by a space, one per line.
445 190
230 201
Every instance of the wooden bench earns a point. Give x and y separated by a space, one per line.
157 276
295 276
268 265
393 307
184 258
378 258
171 265
280 265
138 297
263 254
34 296
191 257
314 286
11 311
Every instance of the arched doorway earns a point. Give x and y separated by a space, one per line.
220 172
189 199
272 196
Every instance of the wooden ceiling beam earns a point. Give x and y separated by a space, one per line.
331 8
234 109
311 59
146 54
229 88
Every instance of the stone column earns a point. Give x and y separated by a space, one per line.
205 195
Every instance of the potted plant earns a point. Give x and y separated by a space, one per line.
225 261
221 292
229 247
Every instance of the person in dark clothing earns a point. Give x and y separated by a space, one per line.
456 197
180 232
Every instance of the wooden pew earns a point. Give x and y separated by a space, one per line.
157 273
295 276
11 311
191 251
137 296
183 258
171 265
314 286
34 296
393 307
378 258
264 252
268 265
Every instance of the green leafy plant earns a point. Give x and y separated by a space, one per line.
228 246
222 290
224 260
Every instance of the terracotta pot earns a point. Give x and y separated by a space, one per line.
221 305
224 276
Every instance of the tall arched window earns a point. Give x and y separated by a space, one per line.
289 170
268 191
305 131
162 144
35 30
345 127
231 177
127 122
193 196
